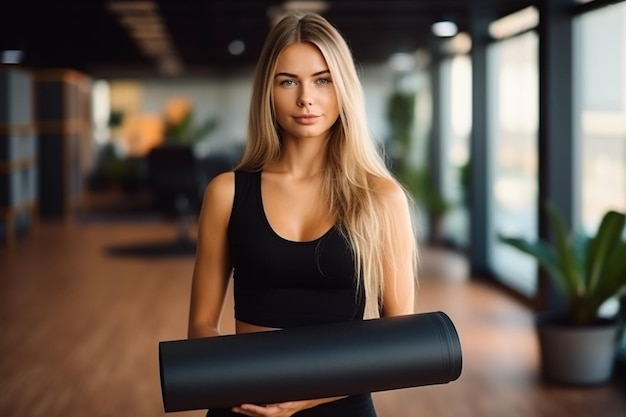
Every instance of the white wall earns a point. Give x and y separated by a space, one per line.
378 83
228 98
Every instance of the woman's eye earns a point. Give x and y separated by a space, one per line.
323 81
288 83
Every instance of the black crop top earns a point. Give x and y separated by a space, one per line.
281 283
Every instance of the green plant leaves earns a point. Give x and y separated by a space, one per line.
545 254
606 240
588 270
573 274
184 132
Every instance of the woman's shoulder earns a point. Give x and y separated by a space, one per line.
389 190
221 188
222 182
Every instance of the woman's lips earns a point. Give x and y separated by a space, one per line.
306 119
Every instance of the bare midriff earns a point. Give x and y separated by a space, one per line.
242 327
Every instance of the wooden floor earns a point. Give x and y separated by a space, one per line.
79 331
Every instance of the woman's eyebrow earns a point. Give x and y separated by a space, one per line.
286 74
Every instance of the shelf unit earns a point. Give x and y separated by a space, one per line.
63 119
18 154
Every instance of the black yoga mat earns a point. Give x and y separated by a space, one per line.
309 362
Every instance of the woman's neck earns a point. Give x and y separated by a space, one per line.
300 160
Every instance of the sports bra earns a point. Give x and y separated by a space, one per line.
281 283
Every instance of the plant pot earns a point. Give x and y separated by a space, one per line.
577 355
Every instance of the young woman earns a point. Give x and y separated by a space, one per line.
311 224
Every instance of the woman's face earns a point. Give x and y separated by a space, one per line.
305 101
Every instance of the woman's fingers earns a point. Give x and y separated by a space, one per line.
269 410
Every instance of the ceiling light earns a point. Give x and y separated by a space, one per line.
141 20
306 6
146 27
514 23
12 56
170 65
131 6
236 47
459 44
444 28
155 46
147 33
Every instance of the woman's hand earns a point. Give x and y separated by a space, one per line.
286 409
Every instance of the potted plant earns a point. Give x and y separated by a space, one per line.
578 345
183 131
435 204
401 118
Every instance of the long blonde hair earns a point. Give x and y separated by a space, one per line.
352 159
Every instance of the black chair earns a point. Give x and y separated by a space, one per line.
177 179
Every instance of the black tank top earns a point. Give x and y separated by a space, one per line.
281 283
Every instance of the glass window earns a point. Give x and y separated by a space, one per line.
601 54
514 110
601 65
456 103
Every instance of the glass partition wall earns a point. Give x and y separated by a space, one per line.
600 63
456 108
513 129
508 70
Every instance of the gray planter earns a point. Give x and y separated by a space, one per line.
577 355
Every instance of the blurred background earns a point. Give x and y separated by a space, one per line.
115 114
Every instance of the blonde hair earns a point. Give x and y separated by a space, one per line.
352 159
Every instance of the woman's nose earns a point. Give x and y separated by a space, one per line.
304 98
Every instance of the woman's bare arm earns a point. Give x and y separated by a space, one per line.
212 267
399 285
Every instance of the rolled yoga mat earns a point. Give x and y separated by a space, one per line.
309 362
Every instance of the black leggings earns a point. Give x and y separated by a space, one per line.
354 406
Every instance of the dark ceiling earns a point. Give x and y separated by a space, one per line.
86 35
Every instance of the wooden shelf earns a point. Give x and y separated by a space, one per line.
63 120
